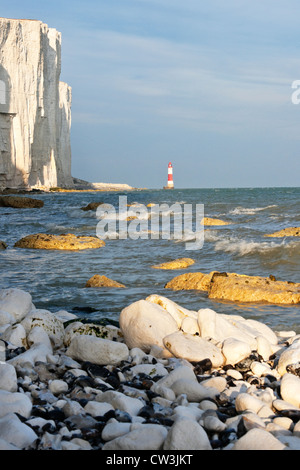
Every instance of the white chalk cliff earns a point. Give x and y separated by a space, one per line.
35 107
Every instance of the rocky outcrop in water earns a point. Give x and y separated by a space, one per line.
239 287
179 263
20 202
35 107
68 241
102 281
286 232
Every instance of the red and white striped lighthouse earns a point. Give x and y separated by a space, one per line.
170 184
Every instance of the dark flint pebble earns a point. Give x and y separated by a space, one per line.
108 415
270 378
82 401
202 366
146 412
11 353
102 387
48 427
294 415
54 414
151 394
122 416
216 443
85 381
95 370
69 378
113 380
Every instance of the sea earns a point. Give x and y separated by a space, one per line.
56 279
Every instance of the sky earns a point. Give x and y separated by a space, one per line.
206 85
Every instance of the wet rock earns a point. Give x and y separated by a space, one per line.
238 288
179 263
286 232
212 221
92 206
68 241
20 202
102 281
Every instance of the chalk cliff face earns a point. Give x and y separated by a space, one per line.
35 107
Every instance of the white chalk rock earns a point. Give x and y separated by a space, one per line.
264 347
97 350
95 408
149 369
4 445
49 322
114 429
260 369
258 439
143 437
193 348
37 335
180 372
186 434
193 390
252 328
110 332
6 318
219 383
37 352
16 302
245 401
220 327
71 408
8 378
289 356
16 335
16 433
144 324
14 402
190 325
290 389
178 313
58 386
121 402
212 424
189 412
260 329
235 350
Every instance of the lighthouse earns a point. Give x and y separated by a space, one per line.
170 184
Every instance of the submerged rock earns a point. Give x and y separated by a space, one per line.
102 281
3 245
67 241
179 263
286 232
92 206
20 202
211 221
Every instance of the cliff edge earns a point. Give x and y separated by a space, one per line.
35 107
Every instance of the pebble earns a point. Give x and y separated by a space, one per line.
62 390
187 434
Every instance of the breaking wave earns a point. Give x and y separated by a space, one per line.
238 247
249 211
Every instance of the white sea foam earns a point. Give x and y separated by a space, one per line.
245 247
250 210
